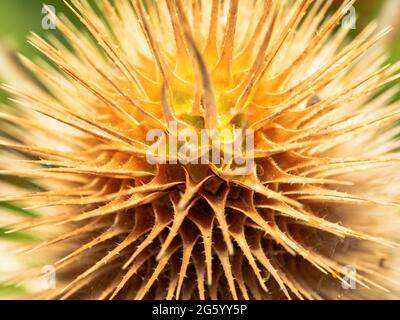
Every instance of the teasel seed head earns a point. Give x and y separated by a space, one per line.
320 197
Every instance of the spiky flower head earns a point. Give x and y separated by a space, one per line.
319 199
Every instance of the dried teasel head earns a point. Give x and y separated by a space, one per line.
320 198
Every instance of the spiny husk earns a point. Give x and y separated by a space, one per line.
322 195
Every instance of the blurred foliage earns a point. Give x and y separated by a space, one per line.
20 17
366 11
16 236
18 209
10 289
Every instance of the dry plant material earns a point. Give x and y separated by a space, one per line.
324 191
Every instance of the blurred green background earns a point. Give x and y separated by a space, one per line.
19 17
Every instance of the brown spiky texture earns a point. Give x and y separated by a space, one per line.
324 191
